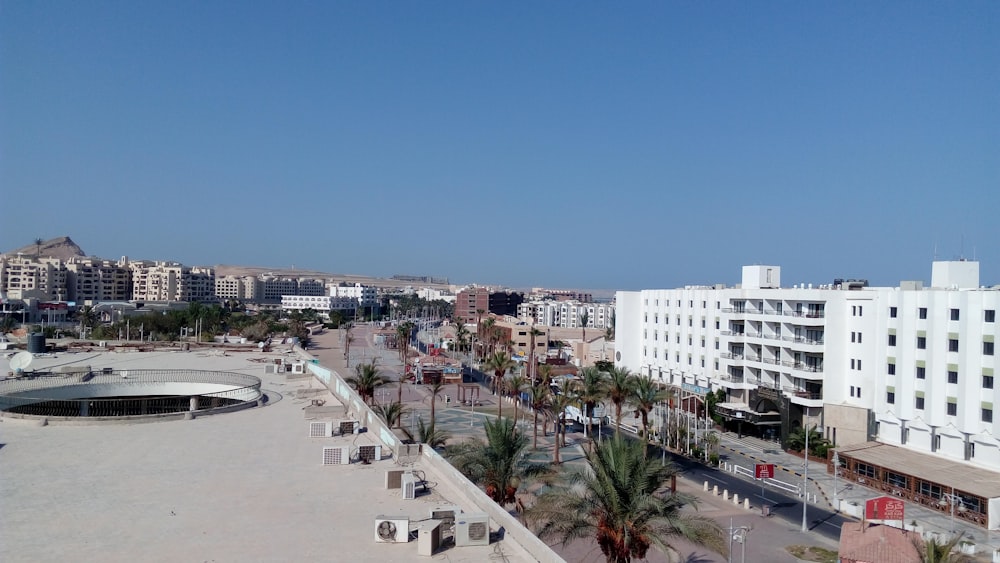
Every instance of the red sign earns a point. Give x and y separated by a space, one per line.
763 471
884 508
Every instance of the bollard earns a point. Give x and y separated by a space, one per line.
725 494
736 499
715 490
746 503
705 486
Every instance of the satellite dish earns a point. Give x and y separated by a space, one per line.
20 361
260 345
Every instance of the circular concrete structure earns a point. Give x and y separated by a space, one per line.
86 396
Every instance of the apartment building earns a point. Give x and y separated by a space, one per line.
362 295
567 314
239 288
23 277
96 279
171 281
470 301
908 366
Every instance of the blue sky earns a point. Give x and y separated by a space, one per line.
561 144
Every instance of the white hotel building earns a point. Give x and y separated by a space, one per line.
906 366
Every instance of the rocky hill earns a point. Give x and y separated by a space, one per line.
59 247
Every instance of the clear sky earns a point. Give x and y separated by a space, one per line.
563 144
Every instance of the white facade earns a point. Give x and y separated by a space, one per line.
566 314
833 356
364 296
171 281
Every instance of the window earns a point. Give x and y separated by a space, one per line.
919 404
954 314
852 390
890 397
852 367
892 369
921 372
923 313
896 480
987 348
987 382
859 391
986 415
892 340
859 364
990 315
952 409
921 342
953 345
716 325
865 470
893 311
952 376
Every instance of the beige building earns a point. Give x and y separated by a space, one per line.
171 281
95 279
23 275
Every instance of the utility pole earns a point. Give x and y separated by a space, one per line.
805 482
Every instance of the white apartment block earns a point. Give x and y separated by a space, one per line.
364 296
240 288
566 314
171 281
322 303
907 365
96 279
23 276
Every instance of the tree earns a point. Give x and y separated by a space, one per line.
620 383
532 366
348 338
584 320
646 394
539 395
500 463
561 400
797 440
622 503
391 413
935 550
609 332
499 363
435 387
515 384
365 380
591 388
429 434
403 333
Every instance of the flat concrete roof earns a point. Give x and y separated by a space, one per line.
948 473
241 486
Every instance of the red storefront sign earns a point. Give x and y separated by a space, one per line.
884 508
763 471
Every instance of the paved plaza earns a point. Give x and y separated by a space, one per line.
242 486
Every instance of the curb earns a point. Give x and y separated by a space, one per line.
822 493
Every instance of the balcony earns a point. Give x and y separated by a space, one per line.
804 397
813 314
733 382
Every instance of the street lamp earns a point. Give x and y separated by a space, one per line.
739 535
836 472
805 481
952 499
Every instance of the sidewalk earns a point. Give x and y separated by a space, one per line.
823 484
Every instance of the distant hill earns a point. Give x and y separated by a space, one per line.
59 247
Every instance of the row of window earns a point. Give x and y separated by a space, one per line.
952 375
989 315
986 415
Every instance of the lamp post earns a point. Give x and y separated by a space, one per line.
952 499
739 535
805 482
836 472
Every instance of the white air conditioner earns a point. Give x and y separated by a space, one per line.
408 485
472 529
368 454
447 514
392 529
336 455
298 367
320 429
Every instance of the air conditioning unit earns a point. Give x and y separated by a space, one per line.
298 367
336 455
320 429
368 454
446 514
394 478
472 529
348 427
392 529
408 485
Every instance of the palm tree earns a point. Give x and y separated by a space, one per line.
797 439
539 399
562 399
584 319
515 384
609 332
429 434
934 550
713 440
347 340
435 387
365 380
485 331
622 504
499 363
545 374
391 413
646 394
532 367
499 464
620 383
590 390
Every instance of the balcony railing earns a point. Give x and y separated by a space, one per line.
806 314
802 340
801 393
